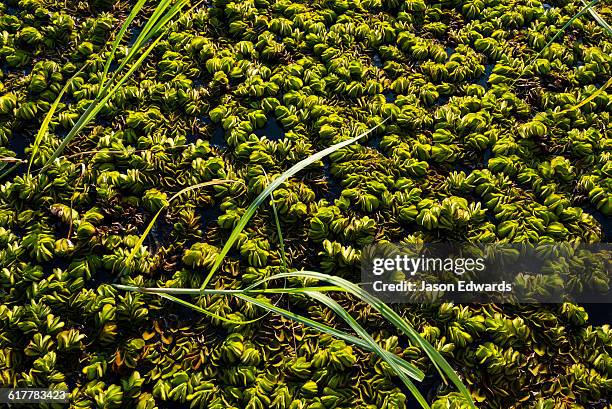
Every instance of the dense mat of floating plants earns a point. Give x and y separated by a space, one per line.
482 144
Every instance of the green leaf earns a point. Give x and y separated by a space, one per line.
406 367
603 23
591 97
576 16
153 28
146 232
441 364
275 184
385 355
204 311
44 127
133 13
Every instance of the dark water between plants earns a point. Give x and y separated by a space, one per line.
334 188
18 144
218 138
483 81
599 314
377 61
389 96
272 130
604 221
134 35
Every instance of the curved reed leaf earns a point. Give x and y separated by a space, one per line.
590 97
268 190
377 349
576 16
603 23
152 28
441 364
439 361
407 368
146 232
404 366
281 241
42 131
443 367
44 127
133 13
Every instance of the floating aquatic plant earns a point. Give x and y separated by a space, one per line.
496 129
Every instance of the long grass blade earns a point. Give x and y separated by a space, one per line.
377 349
124 27
153 27
281 241
146 232
576 16
407 368
9 170
161 24
108 91
11 159
603 23
279 232
441 364
44 127
275 184
148 31
204 311
156 23
218 291
96 106
590 97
